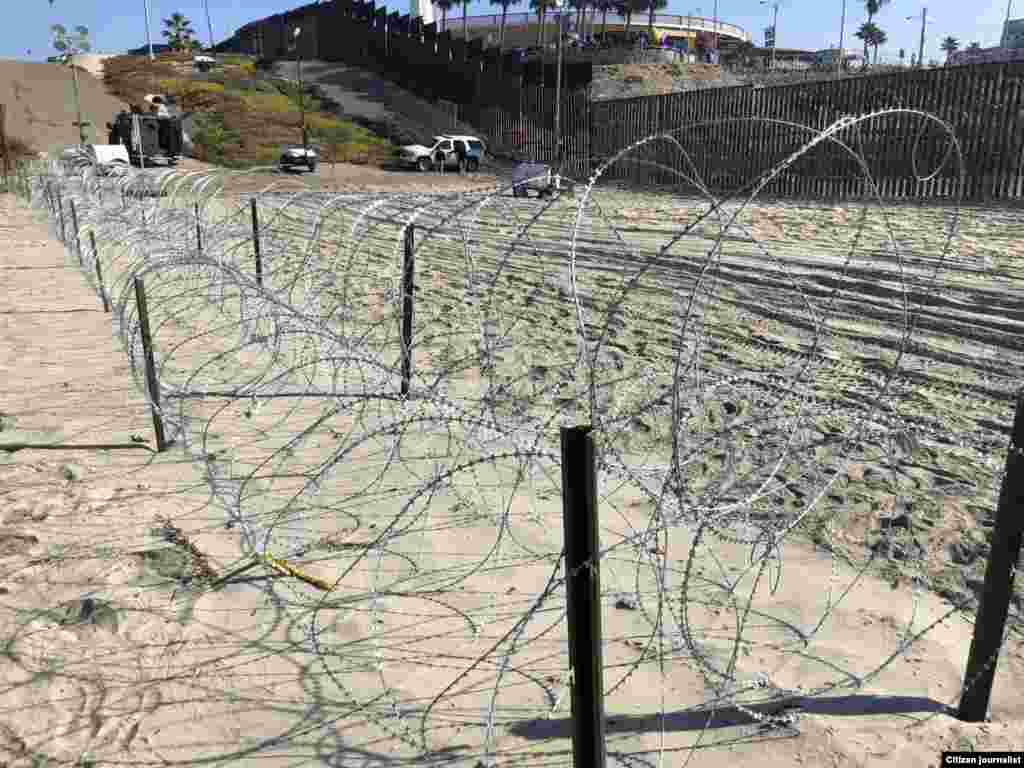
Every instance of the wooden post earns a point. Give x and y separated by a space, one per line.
147 349
99 272
199 232
256 243
408 287
994 605
583 595
74 227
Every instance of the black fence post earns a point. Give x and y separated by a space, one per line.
74 227
994 605
99 271
583 595
199 232
408 287
60 210
147 349
256 243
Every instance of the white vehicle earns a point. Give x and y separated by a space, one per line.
299 157
203 62
443 150
109 159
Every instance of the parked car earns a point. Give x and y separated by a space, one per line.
424 158
299 157
540 178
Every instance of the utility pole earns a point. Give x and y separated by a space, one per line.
149 41
209 24
302 96
563 6
716 31
842 29
920 48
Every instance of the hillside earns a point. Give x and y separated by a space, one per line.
41 104
626 81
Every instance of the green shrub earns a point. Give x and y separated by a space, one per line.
212 138
291 90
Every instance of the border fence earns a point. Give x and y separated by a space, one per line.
513 105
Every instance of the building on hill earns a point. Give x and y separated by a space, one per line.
143 50
697 36
985 55
688 34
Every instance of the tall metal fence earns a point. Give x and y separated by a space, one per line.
512 105
983 104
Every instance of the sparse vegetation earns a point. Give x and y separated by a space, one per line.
242 117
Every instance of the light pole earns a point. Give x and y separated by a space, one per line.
775 30
302 96
563 6
149 41
839 53
209 24
716 31
920 49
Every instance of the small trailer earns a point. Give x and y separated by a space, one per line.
109 159
540 178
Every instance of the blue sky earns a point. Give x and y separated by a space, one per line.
810 24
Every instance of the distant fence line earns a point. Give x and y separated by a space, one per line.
513 105
905 157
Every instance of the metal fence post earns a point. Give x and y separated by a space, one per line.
74 226
147 348
256 243
60 210
994 605
583 595
99 271
199 231
408 288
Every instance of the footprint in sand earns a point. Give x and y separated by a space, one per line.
89 717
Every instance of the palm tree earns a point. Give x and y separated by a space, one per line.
580 7
950 46
974 47
878 39
541 7
179 32
445 6
627 8
652 6
69 45
872 7
604 6
872 36
504 12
